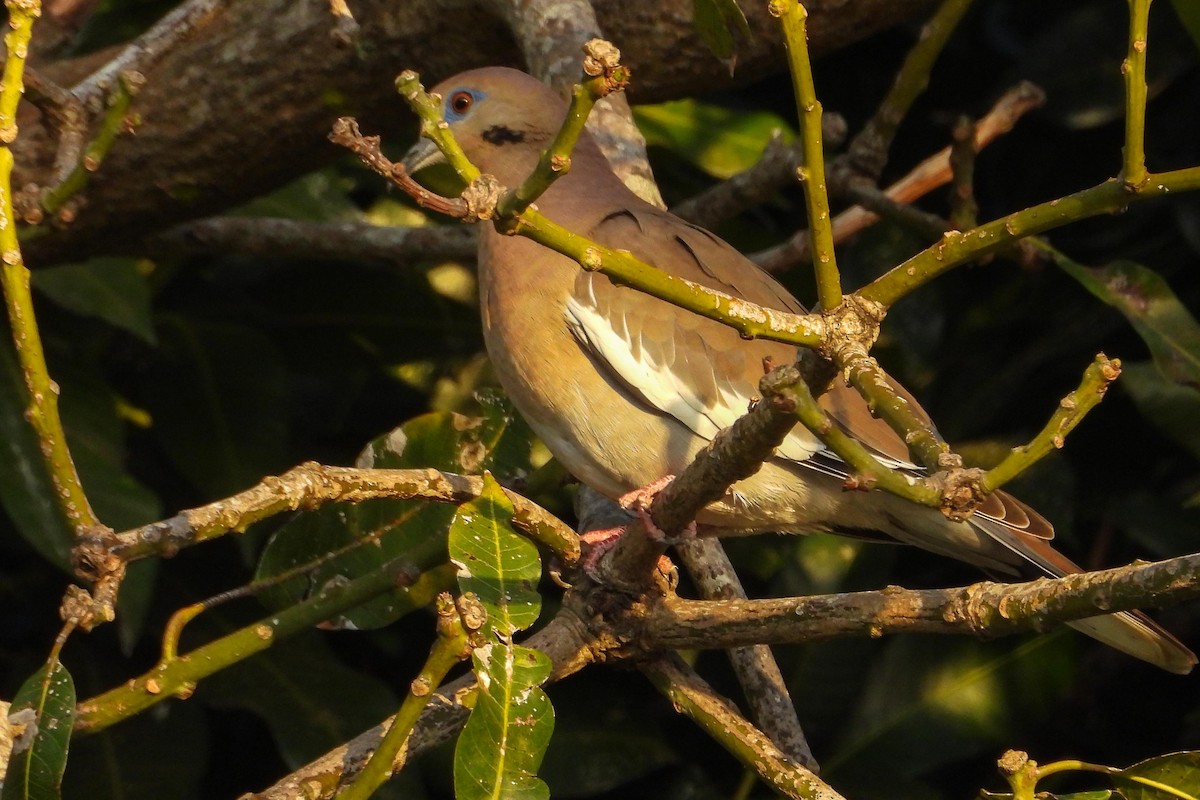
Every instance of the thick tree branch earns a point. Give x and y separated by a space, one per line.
985 609
254 115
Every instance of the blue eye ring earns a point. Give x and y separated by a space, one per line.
459 102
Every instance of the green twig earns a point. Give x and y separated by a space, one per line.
692 696
964 211
42 411
179 675
749 319
811 172
957 248
865 375
869 473
1071 410
451 646
429 109
1133 169
868 152
556 160
111 125
311 485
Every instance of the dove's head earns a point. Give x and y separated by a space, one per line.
502 118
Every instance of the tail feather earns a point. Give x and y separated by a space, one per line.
1131 632
1135 634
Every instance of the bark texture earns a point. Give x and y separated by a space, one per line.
243 104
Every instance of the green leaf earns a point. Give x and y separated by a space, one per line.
929 702
502 744
111 289
218 397
498 440
720 141
42 713
1168 777
26 490
615 756
145 753
1169 407
1167 327
713 19
289 685
495 562
1189 15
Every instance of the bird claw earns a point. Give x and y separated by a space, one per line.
600 541
639 501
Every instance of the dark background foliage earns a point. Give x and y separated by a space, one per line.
188 378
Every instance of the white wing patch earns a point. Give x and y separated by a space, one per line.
651 370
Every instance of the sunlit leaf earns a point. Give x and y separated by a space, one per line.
1168 777
41 716
494 562
503 742
721 141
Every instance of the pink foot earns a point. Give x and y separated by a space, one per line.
639 501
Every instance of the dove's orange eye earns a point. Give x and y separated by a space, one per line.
460 102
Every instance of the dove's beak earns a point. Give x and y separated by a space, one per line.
421 155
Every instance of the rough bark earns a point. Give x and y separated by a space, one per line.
243 105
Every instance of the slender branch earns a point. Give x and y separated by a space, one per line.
907 419
762 682
112 123
964 211
42 411
868 151
271 237
451 646
1133 168
1071 410
811 173
734 454
178 676
880 203
869 472
691 695
925 177
751 320
345 133
144 52
957 248
555 60
606 77
565 640
984 609
311 485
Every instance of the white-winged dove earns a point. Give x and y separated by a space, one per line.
624 388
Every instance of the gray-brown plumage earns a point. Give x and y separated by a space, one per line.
625 389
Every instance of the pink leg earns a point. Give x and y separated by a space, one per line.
638 501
